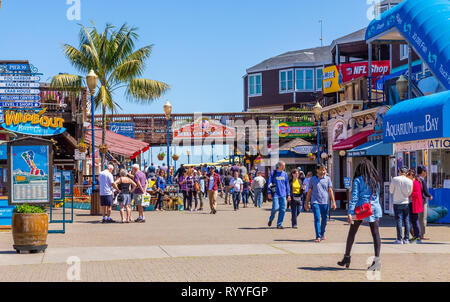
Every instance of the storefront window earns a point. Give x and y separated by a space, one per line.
439 160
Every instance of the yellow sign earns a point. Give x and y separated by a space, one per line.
331 81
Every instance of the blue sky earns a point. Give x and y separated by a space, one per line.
201 48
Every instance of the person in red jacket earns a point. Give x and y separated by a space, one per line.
416 205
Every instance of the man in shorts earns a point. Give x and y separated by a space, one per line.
106 181
138 195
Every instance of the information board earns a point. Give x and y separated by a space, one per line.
29 177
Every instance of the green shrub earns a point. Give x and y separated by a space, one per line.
28 209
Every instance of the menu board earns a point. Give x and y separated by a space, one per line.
30 174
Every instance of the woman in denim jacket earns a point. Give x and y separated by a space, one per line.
366 188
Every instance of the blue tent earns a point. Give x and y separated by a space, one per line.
425 24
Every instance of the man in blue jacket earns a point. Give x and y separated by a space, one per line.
279 183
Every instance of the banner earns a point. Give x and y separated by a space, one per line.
331 81
296 129
203 128
352 71
125 129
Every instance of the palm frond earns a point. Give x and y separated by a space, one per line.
145 90
66 82
104 98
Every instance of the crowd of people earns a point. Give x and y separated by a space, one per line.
298 191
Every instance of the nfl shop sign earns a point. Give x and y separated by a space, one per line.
353 71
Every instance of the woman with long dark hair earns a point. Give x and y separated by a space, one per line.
366 189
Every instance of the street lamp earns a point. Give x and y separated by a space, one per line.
91 80
188 152
317 112
167 112
402 86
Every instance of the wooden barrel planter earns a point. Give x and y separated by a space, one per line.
30 232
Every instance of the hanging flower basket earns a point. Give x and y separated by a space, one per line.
161 156
175 157
103 149
82 146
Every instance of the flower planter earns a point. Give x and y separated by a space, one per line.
175 157
161 156
103 149
30 232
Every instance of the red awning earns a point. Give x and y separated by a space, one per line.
117 144
353 141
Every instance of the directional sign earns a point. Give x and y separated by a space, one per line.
20 91
12 98
20 78
20 104
19 85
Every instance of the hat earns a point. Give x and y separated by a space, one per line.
211 167
135 166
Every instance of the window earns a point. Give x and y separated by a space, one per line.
403 52
304 79
255 84
319 82
286 81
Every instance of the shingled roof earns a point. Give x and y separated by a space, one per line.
305 57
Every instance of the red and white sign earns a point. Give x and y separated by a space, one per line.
203 128
352 71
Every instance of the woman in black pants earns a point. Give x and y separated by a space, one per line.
160 186
296 202
366 189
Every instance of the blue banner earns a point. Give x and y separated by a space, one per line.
12 98
125 129
20 104
34 129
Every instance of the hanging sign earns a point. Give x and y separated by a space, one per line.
33 123
352 71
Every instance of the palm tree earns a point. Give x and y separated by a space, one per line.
112 56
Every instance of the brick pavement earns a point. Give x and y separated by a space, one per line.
247 227
264 268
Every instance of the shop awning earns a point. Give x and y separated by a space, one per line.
373 148
353 141
425 24
117 144
418 119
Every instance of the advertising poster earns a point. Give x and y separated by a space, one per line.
30 174
57 194
67 180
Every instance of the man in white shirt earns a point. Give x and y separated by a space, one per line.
236 185
257 187
106 181
401 188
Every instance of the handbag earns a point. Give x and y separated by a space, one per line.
364 210
272 186
146 200
196 187
297 199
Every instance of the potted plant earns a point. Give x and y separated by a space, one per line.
82 146
103 149
161 156
29 228
175 157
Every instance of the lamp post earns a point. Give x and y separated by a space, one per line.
91 80
402 86
188 152
317 112
167 112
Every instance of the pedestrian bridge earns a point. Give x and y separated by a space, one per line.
152 128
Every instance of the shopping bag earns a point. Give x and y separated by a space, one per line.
146 200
